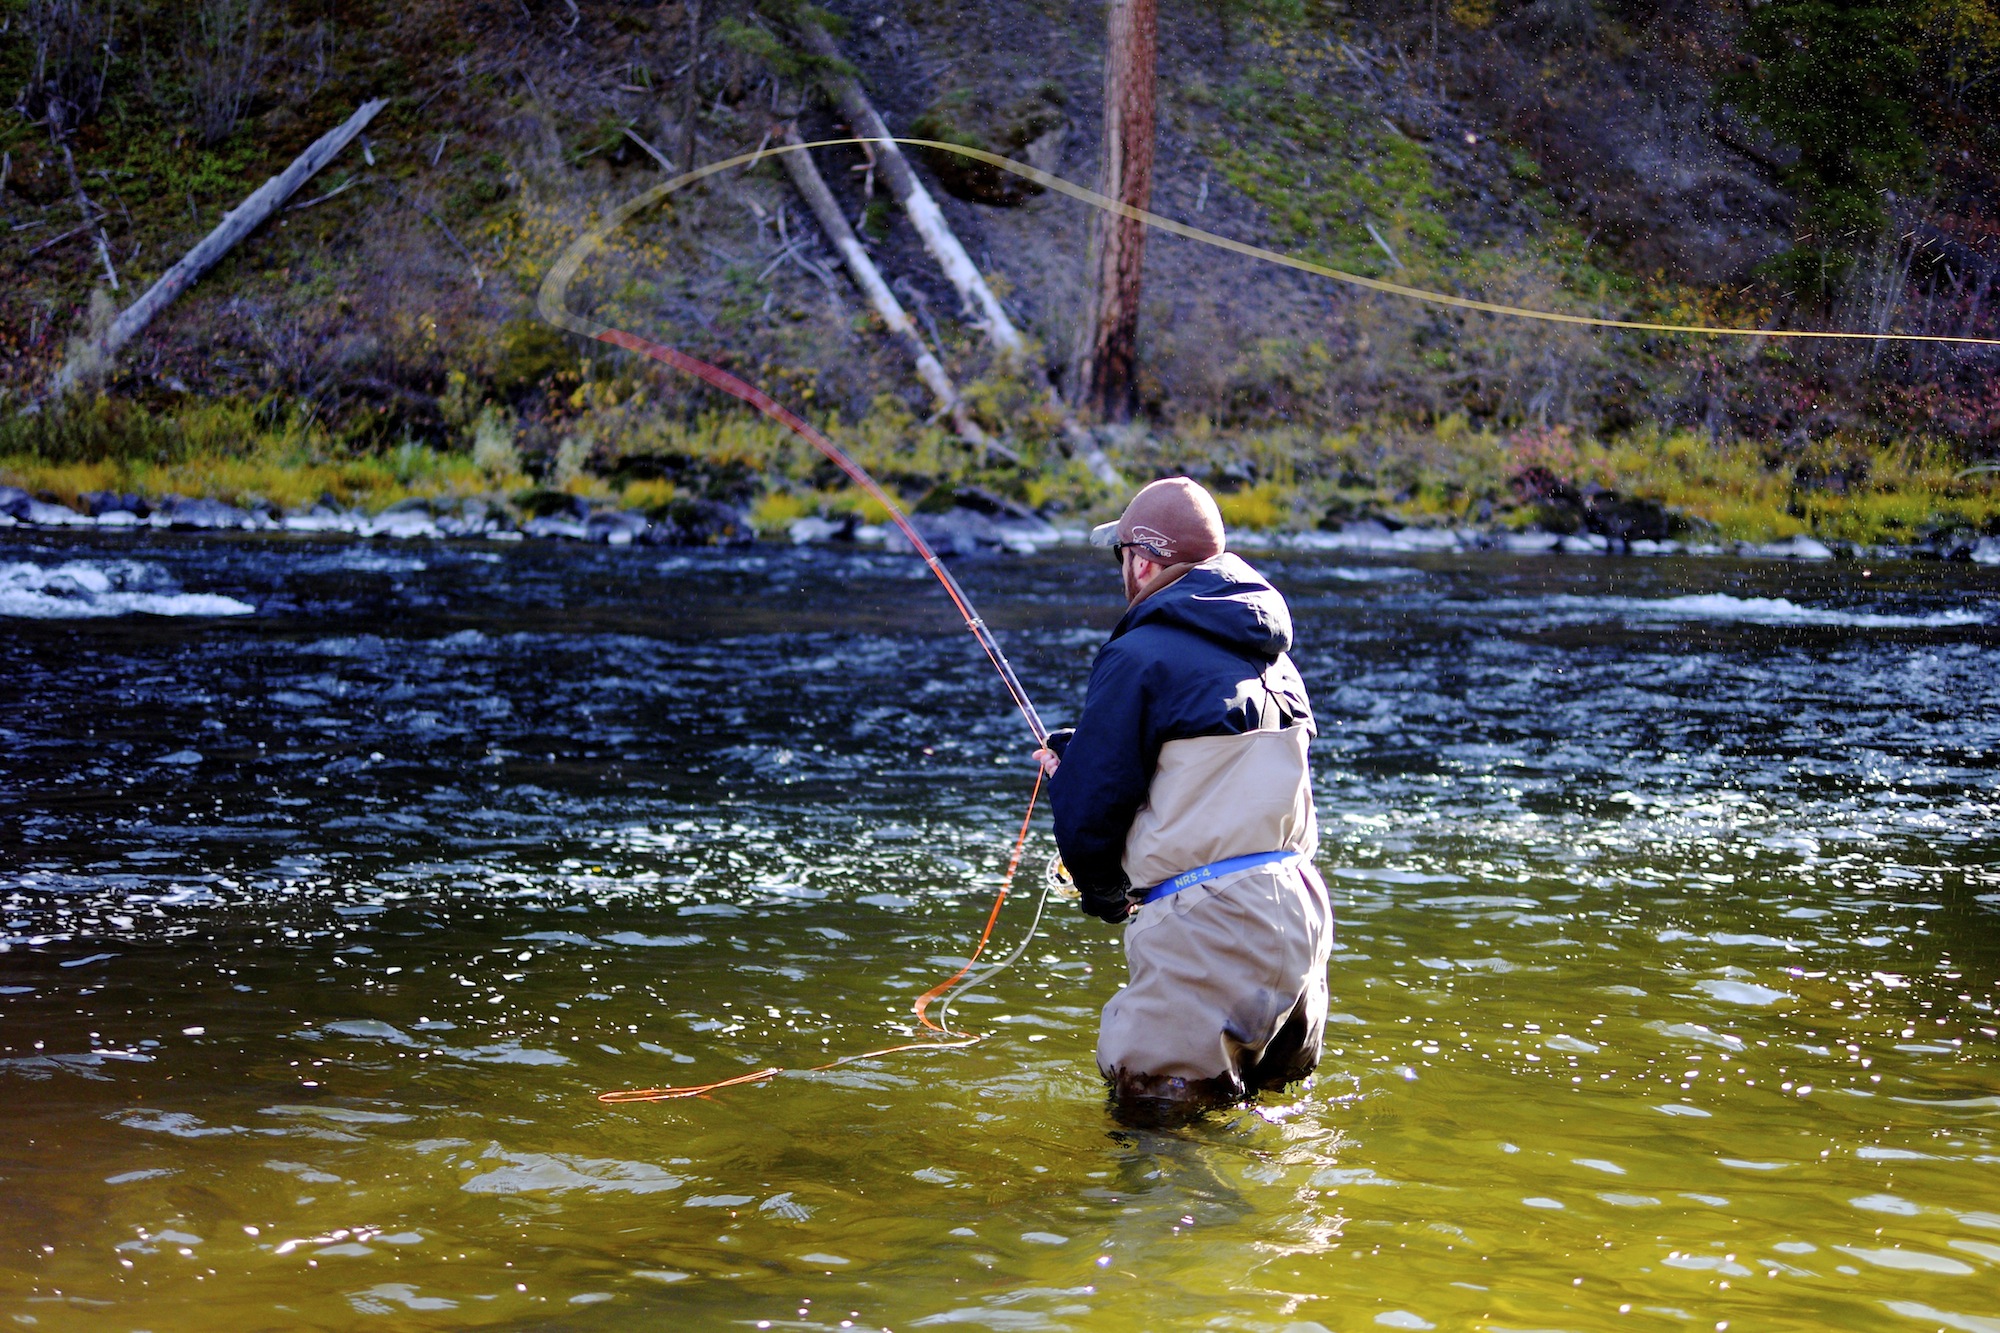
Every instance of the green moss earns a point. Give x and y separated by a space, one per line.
528 354
1325 169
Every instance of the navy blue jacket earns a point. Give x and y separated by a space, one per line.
1203 656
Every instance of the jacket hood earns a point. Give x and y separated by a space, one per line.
1222 599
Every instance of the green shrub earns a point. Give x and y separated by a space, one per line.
91 430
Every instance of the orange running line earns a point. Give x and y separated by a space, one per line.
1006 883
702 1089
923 1001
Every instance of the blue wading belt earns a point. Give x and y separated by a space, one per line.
1187 879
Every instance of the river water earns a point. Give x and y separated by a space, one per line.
339 878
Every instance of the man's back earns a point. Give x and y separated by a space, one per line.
1183 807
1192 743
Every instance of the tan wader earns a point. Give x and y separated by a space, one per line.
1228 989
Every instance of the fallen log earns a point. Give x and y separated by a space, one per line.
238 223
812 187
894 168
923 211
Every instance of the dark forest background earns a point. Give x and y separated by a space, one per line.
1785 164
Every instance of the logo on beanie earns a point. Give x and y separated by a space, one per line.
1161 544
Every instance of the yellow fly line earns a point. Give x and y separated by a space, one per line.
553 302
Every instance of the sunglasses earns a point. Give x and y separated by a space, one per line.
1118 549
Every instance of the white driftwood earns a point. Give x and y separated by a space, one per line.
869 279
943 244
240 222
923 211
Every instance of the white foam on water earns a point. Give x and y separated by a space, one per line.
364 560
1370 536
1357 573
1724 606
87 589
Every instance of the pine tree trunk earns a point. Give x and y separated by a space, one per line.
1107 347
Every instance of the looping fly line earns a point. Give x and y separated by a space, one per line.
555 287
553 305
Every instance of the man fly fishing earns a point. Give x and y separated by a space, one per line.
1183 808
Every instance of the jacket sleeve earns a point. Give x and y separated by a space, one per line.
1106 770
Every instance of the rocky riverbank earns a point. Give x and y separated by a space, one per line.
975 521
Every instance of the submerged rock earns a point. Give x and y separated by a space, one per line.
99 504
179 511
616 527
698 523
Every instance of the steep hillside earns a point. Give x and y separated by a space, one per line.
1552 154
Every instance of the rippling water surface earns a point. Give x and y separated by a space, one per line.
339 878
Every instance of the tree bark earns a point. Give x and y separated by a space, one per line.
868 278
690 90
923 211
1107 360
239 222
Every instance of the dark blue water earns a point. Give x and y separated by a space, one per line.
338 877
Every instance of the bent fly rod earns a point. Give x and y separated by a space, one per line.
792 421
553 307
